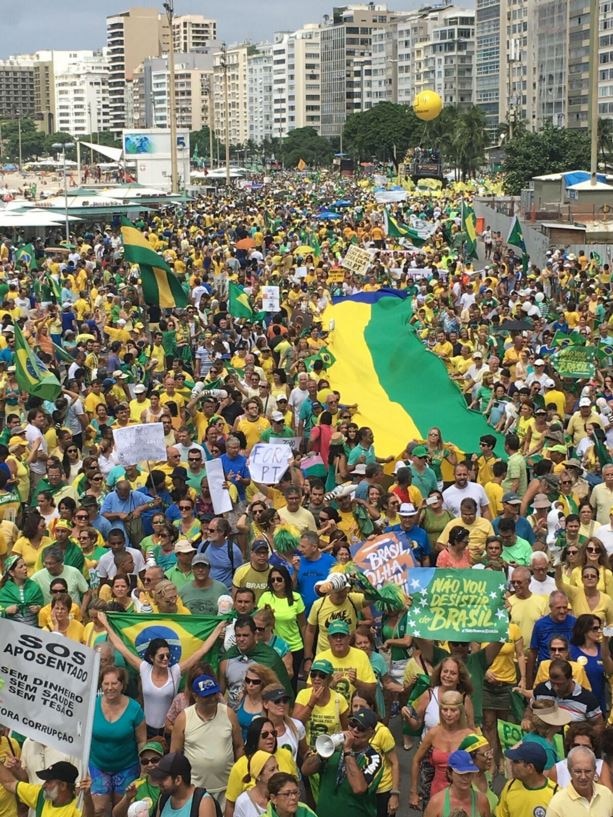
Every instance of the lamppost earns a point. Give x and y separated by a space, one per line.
224 64
169 8
63 146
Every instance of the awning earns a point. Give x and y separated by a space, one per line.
114 154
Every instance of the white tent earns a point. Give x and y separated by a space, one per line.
32 218
114 154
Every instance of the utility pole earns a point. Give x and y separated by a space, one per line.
594 39
174 165
224 65
211 120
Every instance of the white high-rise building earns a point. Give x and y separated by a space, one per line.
259 93
296 76
82 94
412 30
193 32
238 112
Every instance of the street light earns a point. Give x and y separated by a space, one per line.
63 146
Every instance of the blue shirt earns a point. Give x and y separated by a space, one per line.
545 629
113 504
424 480
421 548
222 568
238 466
102 525
522 528
311 572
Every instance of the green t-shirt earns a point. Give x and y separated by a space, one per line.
178 578
335 794
202 601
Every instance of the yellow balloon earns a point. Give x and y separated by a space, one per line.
427 105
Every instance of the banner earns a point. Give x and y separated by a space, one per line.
184 634
383 559
457 605
510 734
575 362
48 687
220 496
268 462
139 443
357 260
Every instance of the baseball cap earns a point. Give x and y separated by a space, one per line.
584 402
420 451
322 665
179 473
15 441
406 509
472 743
541 501
539 362
88 501
259 544
153 746
140 389
338 627
281 399
365 717
461 762
360 469
477 354
171 765
277 417
529 752
183 546
201 559
276 694
511 498
62 770
205 685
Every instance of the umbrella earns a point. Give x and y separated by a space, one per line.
245 244
327 216
304 250
515 326
341 203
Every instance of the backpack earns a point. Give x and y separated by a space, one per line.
199 793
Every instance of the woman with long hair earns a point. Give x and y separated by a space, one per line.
337 462
159 674
45 505
594 553
438 453
587 598
121 592
456 554
433 517
290 732
581 733
188 526
590 647
429 766
450 675
250 705
20 598
72 462
261 736
33 540
288 607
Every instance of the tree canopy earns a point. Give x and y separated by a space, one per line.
306 144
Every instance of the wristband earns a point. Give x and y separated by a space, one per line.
395 791
347 754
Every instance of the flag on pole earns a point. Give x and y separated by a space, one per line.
302 165
469 226
32 375
26 255
62 354
516 239
161 287
396 230
238 302
55 287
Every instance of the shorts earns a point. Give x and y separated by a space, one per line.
497 696
112 782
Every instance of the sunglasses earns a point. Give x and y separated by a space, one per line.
357 726
260 629
255 681
72 450
572 552
96 479
317 674
284 700
268 734
596 628
81 516
558 649
185 507
149 761
593 550
277 579
58 589
194 459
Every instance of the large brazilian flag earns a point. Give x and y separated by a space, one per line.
401 388
32 375
184 634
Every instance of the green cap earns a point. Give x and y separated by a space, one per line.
153 746
322 665
338 627
420 451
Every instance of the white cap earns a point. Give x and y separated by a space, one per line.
140 389
121 322
585 402
359 469
277 416
539 362
406 509
549 383
477 354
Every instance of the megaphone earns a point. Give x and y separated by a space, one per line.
326 745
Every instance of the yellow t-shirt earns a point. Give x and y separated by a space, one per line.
579 674
75 631
494 493
44 615
236 780
323 612
503 666
31 794
30 554
479 530
252 430
324 720
383 741
8 802
526 612
356 660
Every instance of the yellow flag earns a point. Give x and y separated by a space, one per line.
301 165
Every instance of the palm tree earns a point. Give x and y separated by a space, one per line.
605 141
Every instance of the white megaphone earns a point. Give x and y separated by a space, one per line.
326 745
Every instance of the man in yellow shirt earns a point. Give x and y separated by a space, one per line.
56 797
526 606
352 670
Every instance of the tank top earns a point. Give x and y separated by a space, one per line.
447 804
208 747
431 715
157 700
184 811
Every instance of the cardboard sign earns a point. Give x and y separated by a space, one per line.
220 496
383 559
270 299
357 260
268 462
139 443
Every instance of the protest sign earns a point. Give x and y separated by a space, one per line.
268 462
139 443
510 734
293 442
270 299
220 496
48 687
357 260
383 559
457 605
336 276
575 362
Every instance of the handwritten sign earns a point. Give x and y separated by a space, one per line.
139 443
457 605
293 442
267 463
336 276
383 559
357 260
220 496
270 299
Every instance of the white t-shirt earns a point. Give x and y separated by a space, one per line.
157 700
289 740
38 467
605 534
453 496
245 807
107 567
542 588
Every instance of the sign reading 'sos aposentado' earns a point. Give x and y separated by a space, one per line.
48 687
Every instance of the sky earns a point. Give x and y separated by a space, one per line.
33 25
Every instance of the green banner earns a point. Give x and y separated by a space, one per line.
575 362
510 734
457 605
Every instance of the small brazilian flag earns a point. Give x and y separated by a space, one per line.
160 285
469 226
32 375
184 634
26 255
326 357
238 302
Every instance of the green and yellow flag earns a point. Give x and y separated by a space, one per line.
469 226
26 255
238 302
31 373
184 634
160 285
